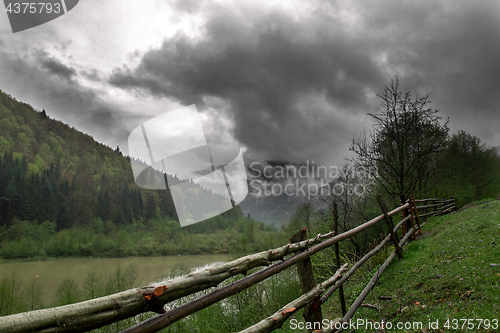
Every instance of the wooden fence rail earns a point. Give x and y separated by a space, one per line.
440 206
278 318
371 284
92 314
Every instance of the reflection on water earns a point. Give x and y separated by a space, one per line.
50 274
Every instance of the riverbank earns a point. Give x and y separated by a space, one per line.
29 240
47 279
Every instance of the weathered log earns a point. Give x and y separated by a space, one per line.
354 307
337 259
358 264
425 199
429 206
161 321
278 318
103 311
400 208
388 219
312 311
417 218
434 199
427 214
446 208
441 210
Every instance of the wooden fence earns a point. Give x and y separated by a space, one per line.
95 313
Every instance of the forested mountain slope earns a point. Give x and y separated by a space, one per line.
63 193
50 171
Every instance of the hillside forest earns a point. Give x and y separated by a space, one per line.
64 194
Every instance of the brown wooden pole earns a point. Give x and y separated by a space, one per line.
312 311
417 219
406 212
337 257
426 211
412 220
353 269
158 322
403 227
277 319
359 300
388 219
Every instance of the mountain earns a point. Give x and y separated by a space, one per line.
273 210
278 188
52 172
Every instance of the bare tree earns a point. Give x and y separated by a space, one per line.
348 196
404 145
301 219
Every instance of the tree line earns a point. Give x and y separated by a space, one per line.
81 196
51 172
409 150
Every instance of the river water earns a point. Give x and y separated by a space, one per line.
50 274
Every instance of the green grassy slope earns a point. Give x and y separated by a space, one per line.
445 275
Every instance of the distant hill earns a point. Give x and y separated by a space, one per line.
64 194
50 171
273 210
268 201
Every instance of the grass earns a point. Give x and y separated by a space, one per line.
445 275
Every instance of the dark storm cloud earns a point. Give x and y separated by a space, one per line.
56 67
265 67
296 88
53 88
450 51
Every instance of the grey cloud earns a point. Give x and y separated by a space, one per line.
266 64
450 50
56 67
189 6
60 95
92 75
264 67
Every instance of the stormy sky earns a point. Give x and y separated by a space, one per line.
286 80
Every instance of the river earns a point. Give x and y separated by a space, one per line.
50 274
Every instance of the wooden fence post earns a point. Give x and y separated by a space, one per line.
412 220
403 227
417 219
394 235
406 212
312 311
337 257
426 210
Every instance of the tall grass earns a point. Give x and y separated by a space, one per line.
232 314
32 240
